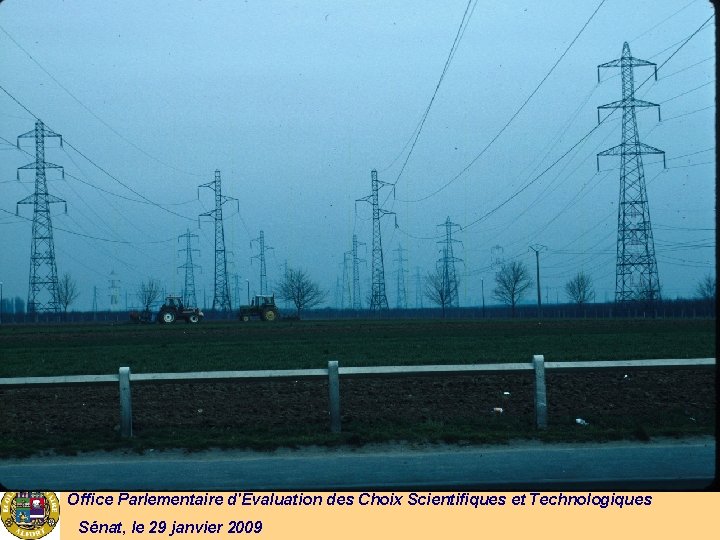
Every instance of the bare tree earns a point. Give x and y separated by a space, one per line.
706 288
297 287
580 289
149 292
439 289
67 291
512 280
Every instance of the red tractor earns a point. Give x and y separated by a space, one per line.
173 310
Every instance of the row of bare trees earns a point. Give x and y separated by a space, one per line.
512 281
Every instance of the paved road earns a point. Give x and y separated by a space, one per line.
675 465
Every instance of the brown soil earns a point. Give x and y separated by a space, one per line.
610 399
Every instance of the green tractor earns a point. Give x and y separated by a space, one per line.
262 307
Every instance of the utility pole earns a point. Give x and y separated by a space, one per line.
378 298
189 297
261 256
43 282
221 294
636 273
537 248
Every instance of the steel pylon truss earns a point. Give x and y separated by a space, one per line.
378 297
636 273
221 294
261 257
189 296
43 282
447 265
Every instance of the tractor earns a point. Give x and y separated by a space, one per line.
261 306
173 310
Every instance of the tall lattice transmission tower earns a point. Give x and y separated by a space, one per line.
400 272
43 282
114 287
418 288
221 295
356 298
636 273
447 265
261 257
188 293
346 287
378 298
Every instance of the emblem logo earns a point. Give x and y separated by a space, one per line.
30 514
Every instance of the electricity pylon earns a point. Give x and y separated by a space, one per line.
189 296
636 273
43 282
401 289
261 256
221 295
418 288
378 298
346 288
447 265
356 298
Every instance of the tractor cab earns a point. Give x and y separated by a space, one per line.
174 302
263 300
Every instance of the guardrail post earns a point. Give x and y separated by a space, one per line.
540 392
125 403
334 388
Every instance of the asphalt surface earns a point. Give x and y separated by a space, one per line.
655 465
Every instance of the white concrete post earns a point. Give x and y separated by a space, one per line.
540 392
334 389
125 403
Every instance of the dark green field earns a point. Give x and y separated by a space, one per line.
90 349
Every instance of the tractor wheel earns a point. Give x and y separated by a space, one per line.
193 318
167 317
244 317
270 315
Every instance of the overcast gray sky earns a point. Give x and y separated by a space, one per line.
295 103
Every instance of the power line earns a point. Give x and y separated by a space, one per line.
100 168
456 42
681 43
498 207
517 112
91 237
94 115
663 21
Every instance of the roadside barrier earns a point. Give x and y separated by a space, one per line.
334 373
